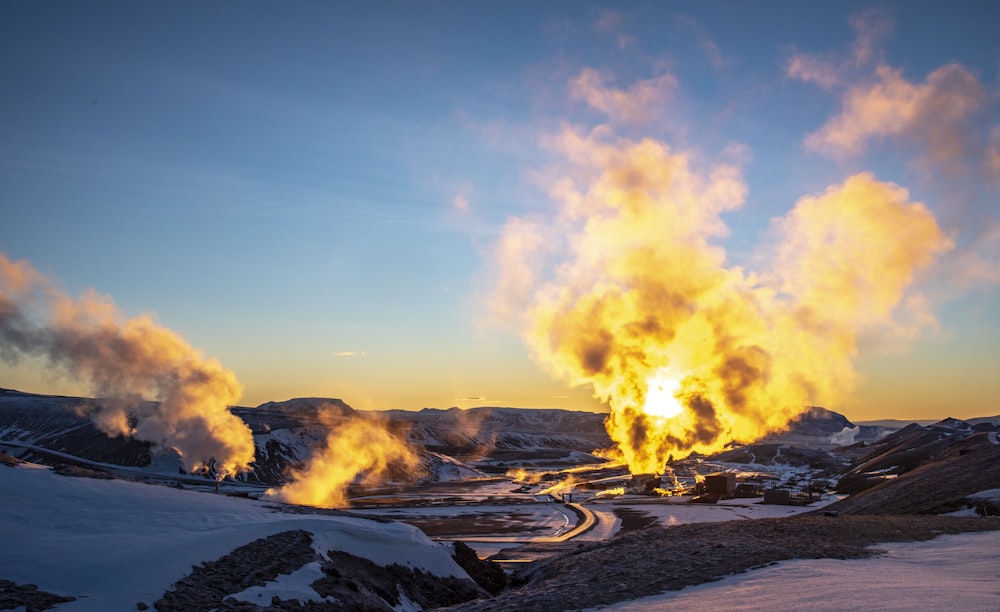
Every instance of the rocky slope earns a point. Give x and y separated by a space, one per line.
938 476
657 559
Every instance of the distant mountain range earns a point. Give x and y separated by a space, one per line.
457 444
50 428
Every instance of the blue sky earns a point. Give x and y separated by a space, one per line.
311 192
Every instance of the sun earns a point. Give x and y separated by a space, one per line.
660 400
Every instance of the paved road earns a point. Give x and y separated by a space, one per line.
586 520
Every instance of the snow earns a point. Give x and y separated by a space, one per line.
987 495
954 572
113 543
405 605
286 586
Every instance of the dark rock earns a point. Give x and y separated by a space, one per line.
940 483
374 587
487 574
13 595
253 564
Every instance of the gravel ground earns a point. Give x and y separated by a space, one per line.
657 559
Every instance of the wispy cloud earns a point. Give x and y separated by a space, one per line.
350 354
703 39
643 102
934 114
870 27
812 69
946 122
460 203
608 20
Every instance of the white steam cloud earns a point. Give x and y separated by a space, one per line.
127 361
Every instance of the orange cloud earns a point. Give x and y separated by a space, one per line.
870 27
846 257
812 69
636 292
934 114
641 103
942 121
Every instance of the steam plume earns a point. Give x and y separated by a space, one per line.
127 361
630 289
354 447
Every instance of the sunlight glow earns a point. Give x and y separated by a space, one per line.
660 400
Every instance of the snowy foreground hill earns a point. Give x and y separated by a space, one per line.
119 545
95 544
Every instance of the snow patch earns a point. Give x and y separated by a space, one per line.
296 585
987 495
405 604
952 572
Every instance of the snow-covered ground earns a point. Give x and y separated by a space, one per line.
952 572
113 543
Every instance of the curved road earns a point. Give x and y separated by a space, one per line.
587 520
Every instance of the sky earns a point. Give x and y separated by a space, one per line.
315 194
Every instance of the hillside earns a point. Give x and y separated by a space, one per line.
659 559
118 545
951 476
